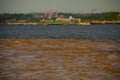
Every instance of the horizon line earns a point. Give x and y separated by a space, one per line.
57 12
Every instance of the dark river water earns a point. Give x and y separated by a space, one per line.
92 32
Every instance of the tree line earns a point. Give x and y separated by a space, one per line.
109 16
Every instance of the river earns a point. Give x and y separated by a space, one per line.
92 32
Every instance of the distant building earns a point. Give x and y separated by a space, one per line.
62 19
59 19
55 14
50 14
71 17
70 20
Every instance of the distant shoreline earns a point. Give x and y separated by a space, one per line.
82 23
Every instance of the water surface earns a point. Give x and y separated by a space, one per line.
94 32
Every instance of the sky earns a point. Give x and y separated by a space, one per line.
74 6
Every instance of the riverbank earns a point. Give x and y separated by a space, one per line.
65 23
55 59
48 23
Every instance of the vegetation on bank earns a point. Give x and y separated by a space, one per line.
36 17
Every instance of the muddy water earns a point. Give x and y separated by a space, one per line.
53 59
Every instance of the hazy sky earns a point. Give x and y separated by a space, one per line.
83 6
